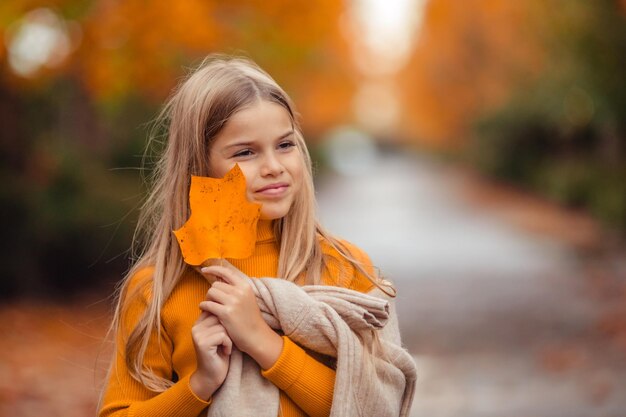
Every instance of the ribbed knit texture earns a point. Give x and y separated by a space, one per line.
294 373
306 384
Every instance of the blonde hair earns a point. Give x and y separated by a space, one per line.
192 117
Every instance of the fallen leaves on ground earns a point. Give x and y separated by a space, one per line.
52 358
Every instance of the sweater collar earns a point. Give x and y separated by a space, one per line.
265 231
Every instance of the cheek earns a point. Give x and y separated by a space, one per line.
220 167
217 166
218 171
247 172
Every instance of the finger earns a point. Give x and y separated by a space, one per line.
240 279
227 275
214 308
221 286
226 264
218 336
219 296
212 329
215 338
227 344
206 318
210 275
211 279
203 315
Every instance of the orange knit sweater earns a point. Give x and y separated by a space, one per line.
305 384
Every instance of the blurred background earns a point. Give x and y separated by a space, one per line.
475 149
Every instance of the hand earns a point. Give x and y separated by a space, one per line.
232 300
213 348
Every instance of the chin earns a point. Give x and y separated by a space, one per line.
273 213
272 216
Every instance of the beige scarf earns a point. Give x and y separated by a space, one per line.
336 322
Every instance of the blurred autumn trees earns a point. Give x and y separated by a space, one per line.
468 57
140 48
529 91
532 92
73 133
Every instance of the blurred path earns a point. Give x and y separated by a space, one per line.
499 320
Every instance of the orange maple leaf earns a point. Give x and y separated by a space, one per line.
222 222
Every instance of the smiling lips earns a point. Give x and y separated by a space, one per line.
273 190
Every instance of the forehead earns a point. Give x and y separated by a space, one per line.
261 120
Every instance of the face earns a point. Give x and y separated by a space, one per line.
261 139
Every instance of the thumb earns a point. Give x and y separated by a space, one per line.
231 268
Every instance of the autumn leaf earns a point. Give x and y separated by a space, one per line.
222 222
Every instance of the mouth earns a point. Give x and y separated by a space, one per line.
273 189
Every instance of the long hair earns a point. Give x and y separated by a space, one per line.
193 116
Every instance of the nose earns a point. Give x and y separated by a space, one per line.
271 165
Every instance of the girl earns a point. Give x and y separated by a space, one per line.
175 332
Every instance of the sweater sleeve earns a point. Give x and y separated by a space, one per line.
125 396
308 382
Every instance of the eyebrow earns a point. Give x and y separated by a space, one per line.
234 145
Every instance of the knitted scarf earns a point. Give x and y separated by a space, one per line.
334 321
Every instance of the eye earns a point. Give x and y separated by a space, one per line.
243 153
286 144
